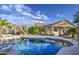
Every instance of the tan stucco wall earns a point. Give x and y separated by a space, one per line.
56 33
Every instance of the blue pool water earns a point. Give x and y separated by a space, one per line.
36 47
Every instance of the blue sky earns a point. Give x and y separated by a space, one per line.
32 13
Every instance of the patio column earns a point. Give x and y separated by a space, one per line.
52 29
59 30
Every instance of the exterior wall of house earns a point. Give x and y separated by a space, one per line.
59 31
56 33
59 28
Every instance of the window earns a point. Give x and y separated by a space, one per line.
55 29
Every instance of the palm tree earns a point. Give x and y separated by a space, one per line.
5 24
76 21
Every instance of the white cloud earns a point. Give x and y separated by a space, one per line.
22 8
23 17
44 17
38 13
25 13
59 15
5 7
33 16
37 21
19 10
21 13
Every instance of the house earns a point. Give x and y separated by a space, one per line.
58 28
40 24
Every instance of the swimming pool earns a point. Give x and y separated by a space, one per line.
39 46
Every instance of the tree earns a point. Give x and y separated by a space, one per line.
7 27
23 29
20 29
71 31
34 30
76 21
4 25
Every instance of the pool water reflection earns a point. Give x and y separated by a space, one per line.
37 49
34 46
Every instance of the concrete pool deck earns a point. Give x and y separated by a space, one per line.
72 50
13 52
69 51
